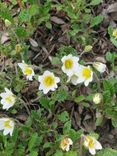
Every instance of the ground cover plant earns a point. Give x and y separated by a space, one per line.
58 78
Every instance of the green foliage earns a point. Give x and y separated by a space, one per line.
42 121
107 152
96 20
64 116
112 38
96 2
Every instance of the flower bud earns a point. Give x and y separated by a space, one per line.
18 48
101 67
97 98
88 48
7 23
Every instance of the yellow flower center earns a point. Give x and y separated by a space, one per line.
68 64
86 73
9 99
7 124
49 80
28 71
91 142
115 33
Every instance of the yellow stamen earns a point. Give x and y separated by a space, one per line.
49 81
9 99
91 142
7 124
28 71
86 73
115 33
68 64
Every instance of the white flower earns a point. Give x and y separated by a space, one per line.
92 144
27 70
101 67
85 75
65 144
70 64
8 99
7 125
76 77
48 82
97 98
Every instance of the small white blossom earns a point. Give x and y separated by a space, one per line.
76 77
7 125
85 75
92 144
70 64
27 70
101 67
97 98
65 144
48 82
8 99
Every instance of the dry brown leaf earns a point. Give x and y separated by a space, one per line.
57 20
4 38
112 11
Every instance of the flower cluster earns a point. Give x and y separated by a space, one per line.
76 73
8 100
88 141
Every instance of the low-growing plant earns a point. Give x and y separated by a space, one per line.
43 110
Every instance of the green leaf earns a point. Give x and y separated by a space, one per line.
79 99
6 14
114 122
110 30
114 41
55 61
75 135
33 153
96 2
32 141
33 10
61 95
24 15
58 153
99 121
67 127
96 20
109 56
95 135
71 153
64 116
21 32
107 152
44 101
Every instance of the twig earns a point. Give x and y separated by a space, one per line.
19 3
